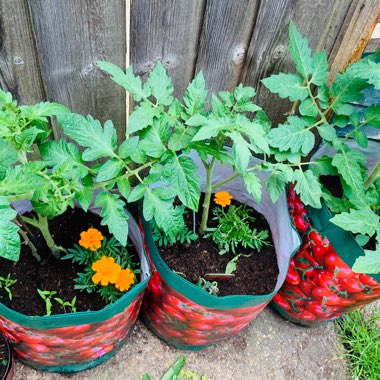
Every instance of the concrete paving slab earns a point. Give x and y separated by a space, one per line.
270 348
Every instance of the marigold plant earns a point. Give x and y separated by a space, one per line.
91 239
223 198
125 279
107 271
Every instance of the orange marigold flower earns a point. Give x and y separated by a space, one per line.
92 238
125 280
223 198
107 271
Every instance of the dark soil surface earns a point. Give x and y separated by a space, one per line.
255 275
4 354
51 274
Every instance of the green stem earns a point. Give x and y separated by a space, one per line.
42 224
207 200
375 174
349 134
321 114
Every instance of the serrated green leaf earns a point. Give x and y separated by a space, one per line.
308 108
319 68
44 109
343 109
181 138
150 142
137 193
323 94
142 117
232 265
113 215
362 240
56 153
8 155
323 166
361 138
6 212
367 70
205 149
130 148
25 139
327 132
292 136
300 51
244 93
286 86
110 169
124 187
186 180
20 181
87 132
254 131
276 185
212 127
372 116
253 186
369 263
84 197
156 206
308 187
195 95
160 85
131 83
347 164
9 240
346 88
241 152
196 120
363 221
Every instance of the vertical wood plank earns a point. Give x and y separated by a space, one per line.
319 20
356 31
225 37
71 36
166 31
19 66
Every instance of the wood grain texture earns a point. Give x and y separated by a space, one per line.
166 31
71 36
356 31
319 20
19 65
373 45
226 33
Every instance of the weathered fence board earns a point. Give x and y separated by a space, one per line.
166 31
19 64
226 32
268 52
71 36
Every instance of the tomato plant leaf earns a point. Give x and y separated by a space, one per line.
160 85
195 95
286 86
253 186
369 263
308 187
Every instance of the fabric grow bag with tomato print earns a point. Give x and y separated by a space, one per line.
76 341
320 285
187 317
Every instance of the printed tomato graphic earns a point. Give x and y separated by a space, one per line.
326 287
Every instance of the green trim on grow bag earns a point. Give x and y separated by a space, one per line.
193 292
342 241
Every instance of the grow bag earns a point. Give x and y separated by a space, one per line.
320 285
6 363
187 317
76 341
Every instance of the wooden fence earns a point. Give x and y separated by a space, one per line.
48 48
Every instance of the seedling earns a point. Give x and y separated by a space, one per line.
6 283
46 296
71 304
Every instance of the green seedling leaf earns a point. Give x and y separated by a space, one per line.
175 369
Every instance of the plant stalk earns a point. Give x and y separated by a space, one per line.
375 174
207 200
